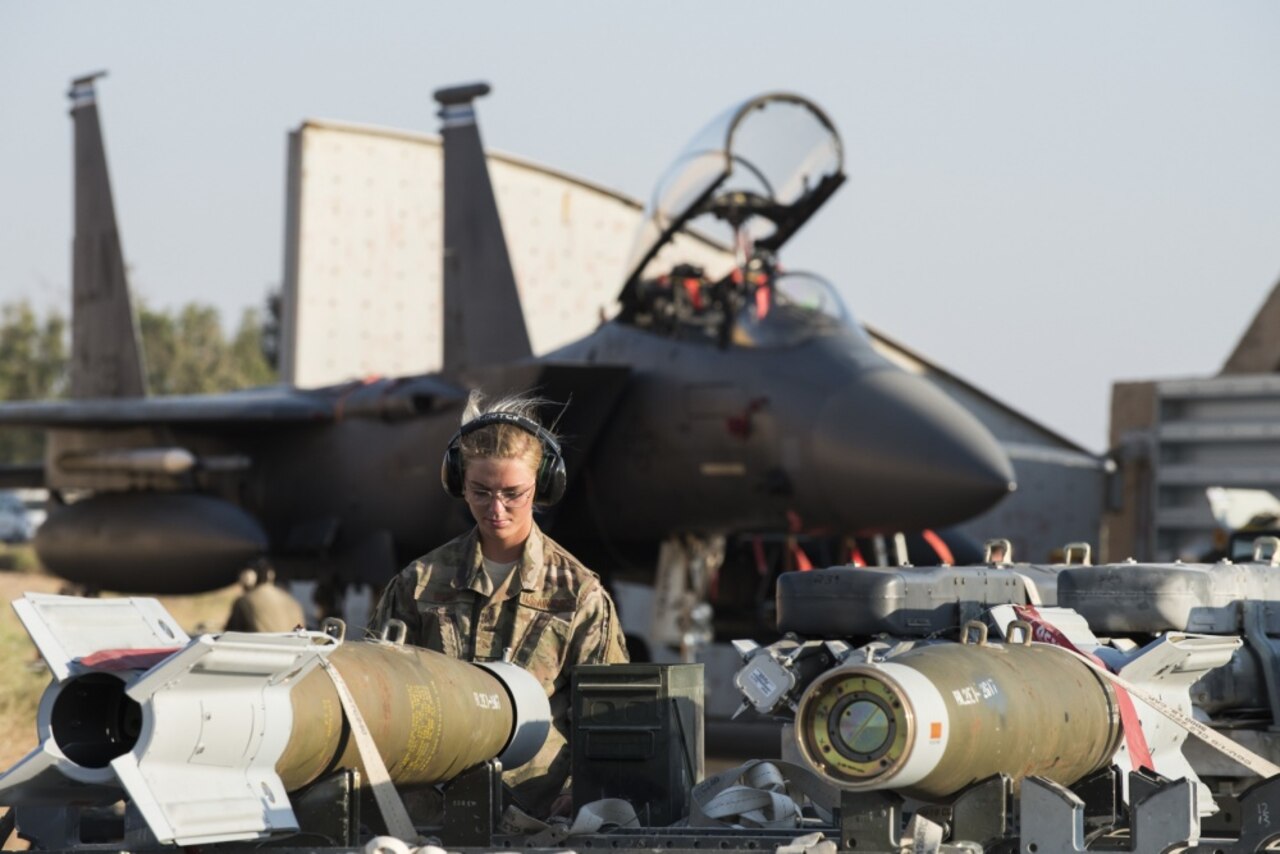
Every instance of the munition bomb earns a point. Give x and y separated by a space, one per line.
207 737
932 720
431 716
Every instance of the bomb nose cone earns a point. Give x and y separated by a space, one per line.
896 450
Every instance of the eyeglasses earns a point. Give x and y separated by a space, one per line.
516 496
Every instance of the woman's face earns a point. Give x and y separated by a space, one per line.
499 494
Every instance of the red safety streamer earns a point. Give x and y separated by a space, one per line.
1043 631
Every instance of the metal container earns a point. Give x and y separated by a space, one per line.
904 601
1138 598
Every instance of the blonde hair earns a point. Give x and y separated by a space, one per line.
502 441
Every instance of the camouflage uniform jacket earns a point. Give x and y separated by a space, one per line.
552 613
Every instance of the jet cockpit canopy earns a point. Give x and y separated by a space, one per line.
751 177
745 184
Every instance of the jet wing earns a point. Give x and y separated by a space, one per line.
21 476
258 406
264 406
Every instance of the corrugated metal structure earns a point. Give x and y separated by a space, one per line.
1214 432
1175 439
363 295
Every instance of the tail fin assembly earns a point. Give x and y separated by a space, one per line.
483 320
105 354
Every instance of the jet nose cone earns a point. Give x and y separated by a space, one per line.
895 452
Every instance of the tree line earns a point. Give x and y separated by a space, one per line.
185 351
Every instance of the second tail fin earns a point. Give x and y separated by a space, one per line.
106 357
483 320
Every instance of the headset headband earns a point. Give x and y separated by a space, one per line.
526 424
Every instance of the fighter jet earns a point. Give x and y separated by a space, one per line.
712 402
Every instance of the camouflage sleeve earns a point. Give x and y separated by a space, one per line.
597 632
397 603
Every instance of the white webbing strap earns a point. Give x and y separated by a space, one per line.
768 796
604 813
810 843
592 818
394 814
1032 591
1237 753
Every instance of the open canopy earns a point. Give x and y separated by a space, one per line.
760 170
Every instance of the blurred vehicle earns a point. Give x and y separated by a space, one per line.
36 503
15 525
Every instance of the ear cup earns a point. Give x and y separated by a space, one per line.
451 468
551 473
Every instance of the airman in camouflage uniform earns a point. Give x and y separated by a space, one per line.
552 613
548 610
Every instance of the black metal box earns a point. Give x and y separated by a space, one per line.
638 735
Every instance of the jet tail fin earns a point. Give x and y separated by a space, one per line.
483 320
105 353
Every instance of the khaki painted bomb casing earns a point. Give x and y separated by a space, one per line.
937 718
430 715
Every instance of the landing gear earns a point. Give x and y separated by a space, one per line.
688 567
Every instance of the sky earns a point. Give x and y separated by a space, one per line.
1042 197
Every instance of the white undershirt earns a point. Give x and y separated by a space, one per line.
498 572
